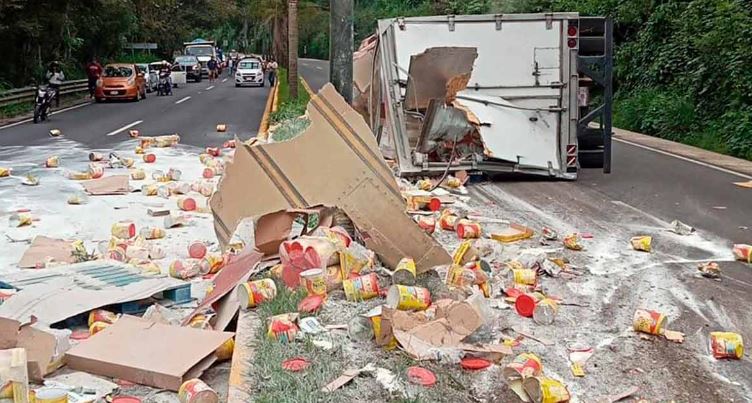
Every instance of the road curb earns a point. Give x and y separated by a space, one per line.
721 162
271 101
306 86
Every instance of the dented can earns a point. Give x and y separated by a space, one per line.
545 311
187 204
96 171
52 162
726 345
5 172
183 269
94 156
213 151
224 352
524 365
447 221
153 233
313 281
361 287
426 223
133 133
251 294
743 252
196 391
407 298
138 174
20 219
467 229
523 276
282 328
150 189
211 264
102 315
197 250
651 322
97 327
123 229
641 243
405 272
208 173
543 389
572 241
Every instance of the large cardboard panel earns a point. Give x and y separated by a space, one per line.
335 162
42 247
437 73
147 353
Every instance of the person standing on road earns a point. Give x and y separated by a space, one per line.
93 72
55 78
272 66
212 66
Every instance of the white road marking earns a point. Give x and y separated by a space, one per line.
224 81
180 101
705 164
126 127
319 68
209 87
53 113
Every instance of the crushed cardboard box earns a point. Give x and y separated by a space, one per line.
43 248
343 168
110 185
164 356
45 347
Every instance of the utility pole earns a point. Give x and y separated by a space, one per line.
292 45
341 46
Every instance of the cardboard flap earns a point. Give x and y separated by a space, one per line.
147 353
342 167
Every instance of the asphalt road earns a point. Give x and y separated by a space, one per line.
193 111
644 193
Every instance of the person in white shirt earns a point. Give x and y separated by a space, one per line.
55 78
272 67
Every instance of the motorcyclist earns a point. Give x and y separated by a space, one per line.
55 78
165 71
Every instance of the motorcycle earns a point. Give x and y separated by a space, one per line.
164 86
43 102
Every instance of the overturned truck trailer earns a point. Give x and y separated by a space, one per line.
495 93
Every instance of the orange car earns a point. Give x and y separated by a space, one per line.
121 81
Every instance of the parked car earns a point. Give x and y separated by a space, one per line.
191 66
121 81
151 76
249 72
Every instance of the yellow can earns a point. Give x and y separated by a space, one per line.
651 322
313 281
102 315
5 172
405 272
97 327
196 391
727 345
20 219
50 395
542 389
224 352
361 288
253 293
524 276
138 175
641 243
407 298
389 344
153 233
52 162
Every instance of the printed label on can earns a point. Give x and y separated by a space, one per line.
726 345
361 287
650 322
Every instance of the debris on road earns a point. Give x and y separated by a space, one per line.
642 243
743 252
681 228
710 270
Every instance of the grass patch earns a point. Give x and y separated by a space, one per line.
9 111
289 108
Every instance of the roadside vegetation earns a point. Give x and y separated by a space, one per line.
289 114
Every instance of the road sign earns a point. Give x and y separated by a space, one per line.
141 45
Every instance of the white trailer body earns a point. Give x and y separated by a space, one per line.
523 89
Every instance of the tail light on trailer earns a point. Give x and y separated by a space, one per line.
572 31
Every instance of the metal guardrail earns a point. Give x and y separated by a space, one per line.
27 94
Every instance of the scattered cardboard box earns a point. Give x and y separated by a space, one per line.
43 248
110 185
343 168
164 356
44 347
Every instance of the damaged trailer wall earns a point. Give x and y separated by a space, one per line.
520 85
